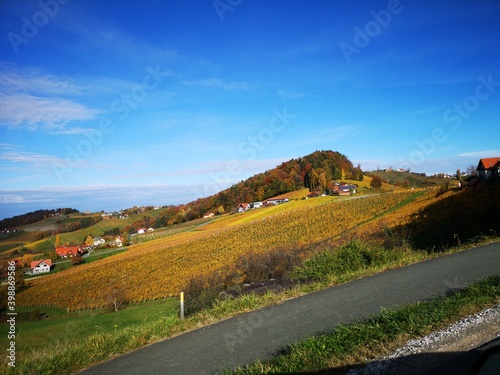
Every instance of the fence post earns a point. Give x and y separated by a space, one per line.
182 305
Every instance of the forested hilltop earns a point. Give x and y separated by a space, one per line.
316 171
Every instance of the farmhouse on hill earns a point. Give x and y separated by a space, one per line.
40 266
344 189
242 207
68 251
488 168
276 201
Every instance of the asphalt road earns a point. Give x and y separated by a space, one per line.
259 334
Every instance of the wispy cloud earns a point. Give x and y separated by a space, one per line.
49 114
31 79
480 154
35 81
102 197
217 83
17 155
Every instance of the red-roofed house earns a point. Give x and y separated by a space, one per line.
242 207
68 251
40 266
488 168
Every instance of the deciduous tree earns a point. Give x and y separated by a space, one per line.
376 182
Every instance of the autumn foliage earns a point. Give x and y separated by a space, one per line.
161 268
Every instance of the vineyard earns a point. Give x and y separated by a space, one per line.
160 268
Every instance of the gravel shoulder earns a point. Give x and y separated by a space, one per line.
449 351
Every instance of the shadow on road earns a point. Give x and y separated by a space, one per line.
453 363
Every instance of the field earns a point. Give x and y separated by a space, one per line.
164 266
59 327
149 275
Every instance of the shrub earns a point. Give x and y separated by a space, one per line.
273 264
353 257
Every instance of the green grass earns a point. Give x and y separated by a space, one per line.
62 327
350 345
340 265
65 341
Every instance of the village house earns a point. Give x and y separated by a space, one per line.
488 168
99 241
119 241
276 201
256 205
208 215
40 266
242 207
142 230
68 251
344 189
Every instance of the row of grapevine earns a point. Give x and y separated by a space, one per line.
160 268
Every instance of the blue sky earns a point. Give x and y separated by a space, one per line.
111 104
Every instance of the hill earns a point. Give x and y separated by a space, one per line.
407 179
33 217
316 172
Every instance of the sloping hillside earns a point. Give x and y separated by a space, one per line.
315 171
160 268
407 179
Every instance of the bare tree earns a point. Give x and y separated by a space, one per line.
471 170
115 297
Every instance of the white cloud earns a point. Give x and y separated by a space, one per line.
31 79
16 154
480 154
95 198
25 110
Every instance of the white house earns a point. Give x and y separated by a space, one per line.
142 230
257 204
40 266
99 241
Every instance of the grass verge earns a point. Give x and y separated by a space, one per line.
68 355
350 346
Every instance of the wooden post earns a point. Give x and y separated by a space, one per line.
182 305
